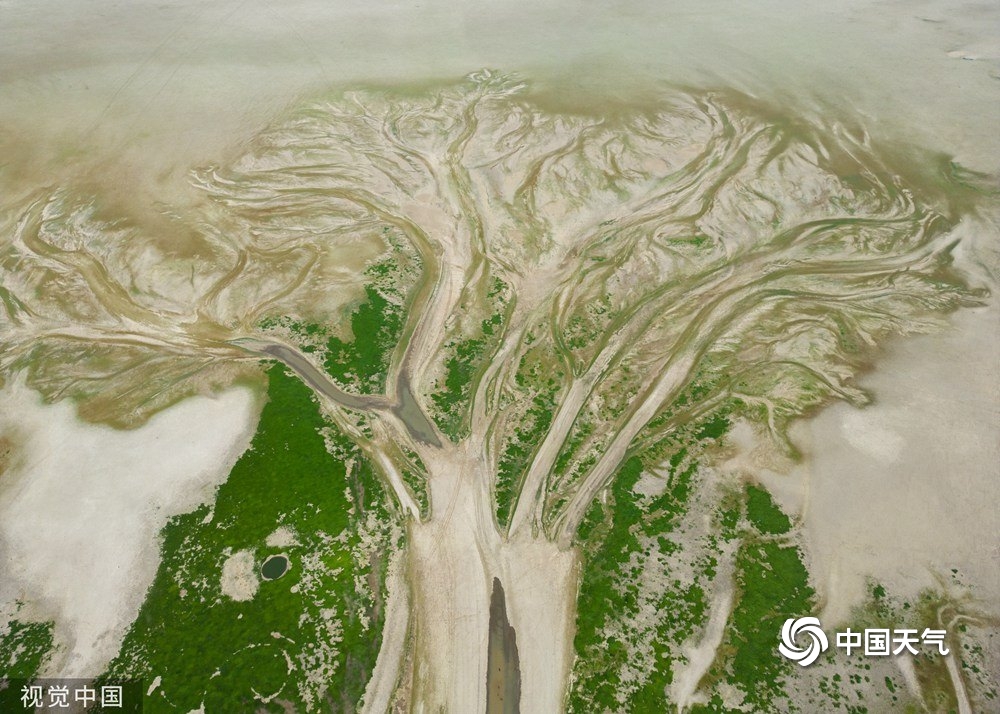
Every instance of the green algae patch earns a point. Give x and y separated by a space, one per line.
307 640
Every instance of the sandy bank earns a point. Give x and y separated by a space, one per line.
81 507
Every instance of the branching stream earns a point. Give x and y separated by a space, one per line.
578 281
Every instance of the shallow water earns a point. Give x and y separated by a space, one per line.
274 567
135 92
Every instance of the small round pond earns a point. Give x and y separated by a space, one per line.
274 567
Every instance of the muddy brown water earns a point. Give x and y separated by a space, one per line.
503 670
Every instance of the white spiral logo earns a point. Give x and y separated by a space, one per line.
810 627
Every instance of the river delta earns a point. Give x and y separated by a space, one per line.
353 364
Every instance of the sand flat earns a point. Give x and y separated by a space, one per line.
81 508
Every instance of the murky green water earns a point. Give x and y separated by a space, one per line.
274 567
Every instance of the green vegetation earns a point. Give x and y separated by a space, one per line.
708 243
930 609
628 534
361 364
364 362
543 385
465 360
24 647
311 637
600 656
376 324
626 577
772 585
461 368
763 514
378 320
